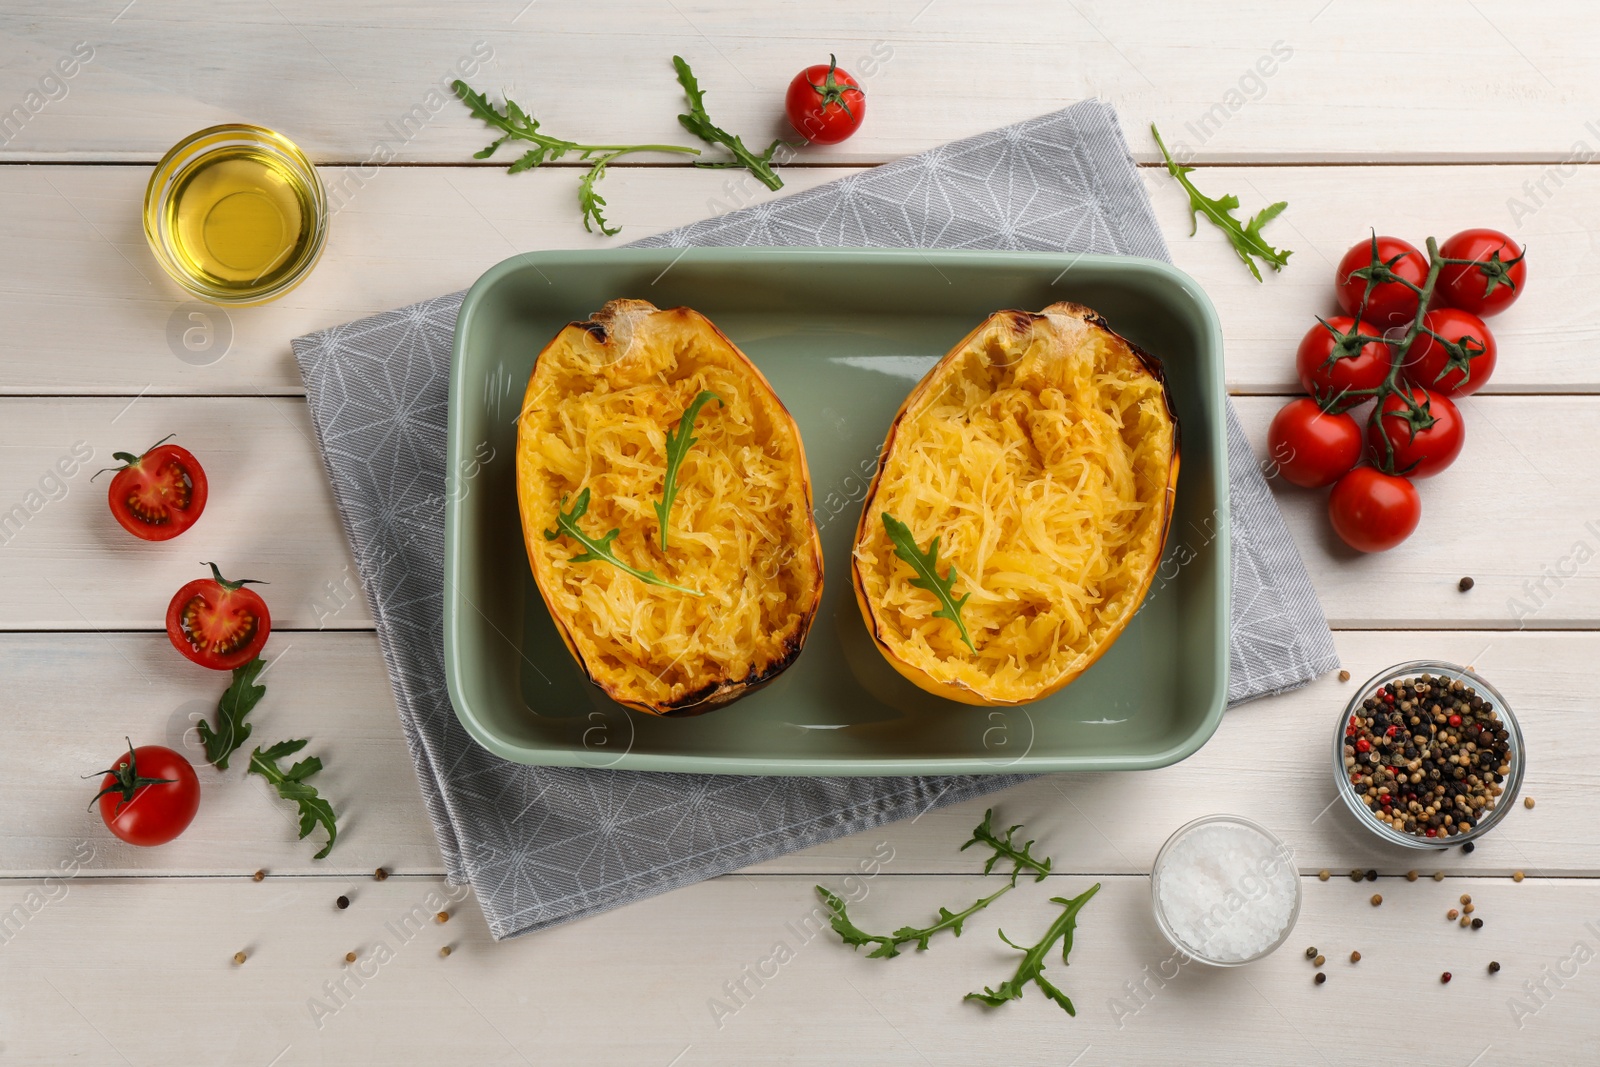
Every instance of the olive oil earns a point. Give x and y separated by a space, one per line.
236 214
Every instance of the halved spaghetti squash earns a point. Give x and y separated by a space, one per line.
606 404
1042 453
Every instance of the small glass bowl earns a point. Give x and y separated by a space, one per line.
191 156
1286 855
1510 787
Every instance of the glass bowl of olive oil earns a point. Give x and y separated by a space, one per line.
236 214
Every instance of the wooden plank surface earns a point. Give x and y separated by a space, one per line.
90 312
1257 80
67 565
331 687
641 985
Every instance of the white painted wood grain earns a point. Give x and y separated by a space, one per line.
90 312
1452 82
1268 760
1519 511
638 985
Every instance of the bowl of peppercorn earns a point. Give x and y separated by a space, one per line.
1428 755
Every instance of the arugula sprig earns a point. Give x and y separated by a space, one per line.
926 566
516 124
888 946
599 549
238 700
1031 966
699 123
1245 237
291 785
678 445
984 834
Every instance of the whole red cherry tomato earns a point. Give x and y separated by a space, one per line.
218 623
1431 363
160 494
1330 360
825 104
149 796
1491 284
1372 511
1391 303
1311 447
1425 440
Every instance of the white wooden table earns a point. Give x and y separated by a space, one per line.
1419 118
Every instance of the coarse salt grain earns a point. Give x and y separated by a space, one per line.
1226 891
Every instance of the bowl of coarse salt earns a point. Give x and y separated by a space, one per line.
1225 890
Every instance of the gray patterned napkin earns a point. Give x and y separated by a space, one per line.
529 839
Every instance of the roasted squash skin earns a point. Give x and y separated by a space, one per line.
603 397
1043 451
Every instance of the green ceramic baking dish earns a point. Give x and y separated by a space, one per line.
843 335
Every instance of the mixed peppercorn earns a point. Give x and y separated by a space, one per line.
1427 755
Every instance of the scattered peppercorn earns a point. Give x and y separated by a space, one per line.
442 917
1467 910
1320 960
1466 898
1372 876
342 903
239 957
1452 914
1322 875
1527 802
1411 876
349 957
1477 924
1465 584
1355 957
1516 876
1356 876
1320 978
444 951
1344 676
1311 953
258 876
1465 922
1445 977
1468 847
1377 898
1438 876
1494 968
379 875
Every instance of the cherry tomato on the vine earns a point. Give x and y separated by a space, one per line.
1488 286
1311 447
1329 364
218 623
1425 439
149 796
1432 365
158 495
1372 511
825 104
1391 303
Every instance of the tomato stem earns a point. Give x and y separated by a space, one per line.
231 586
127 781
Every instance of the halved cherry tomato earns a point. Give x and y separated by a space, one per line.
1490 285
149 796
160 494
1459 365
825 104
1391 303
218 623
1373 511
1311 447
1425 439
1331 361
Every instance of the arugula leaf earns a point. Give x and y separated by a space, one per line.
238 700
291 785
678 446
600 550
888 946
1246 237
699 123
927 568
985 834
1031 967
515 124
